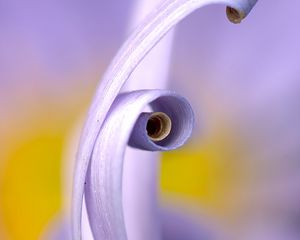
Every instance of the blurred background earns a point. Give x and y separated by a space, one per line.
242 166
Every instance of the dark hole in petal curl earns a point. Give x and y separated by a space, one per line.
158 126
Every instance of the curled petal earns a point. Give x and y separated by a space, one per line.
237 14
133 51
104 181
181 123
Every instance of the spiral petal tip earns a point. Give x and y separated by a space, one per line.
236 13
235 16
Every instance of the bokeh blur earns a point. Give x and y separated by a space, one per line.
242 165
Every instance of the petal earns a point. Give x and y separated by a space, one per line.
103 186
132 52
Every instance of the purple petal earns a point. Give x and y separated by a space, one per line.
132 52
103 189
181 115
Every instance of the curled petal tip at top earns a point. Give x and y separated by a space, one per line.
234 15
237 14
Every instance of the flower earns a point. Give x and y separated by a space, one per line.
241 70
104 127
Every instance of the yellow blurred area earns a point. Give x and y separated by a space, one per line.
31 166
31 184
207 173
34 131
193 174
31 187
